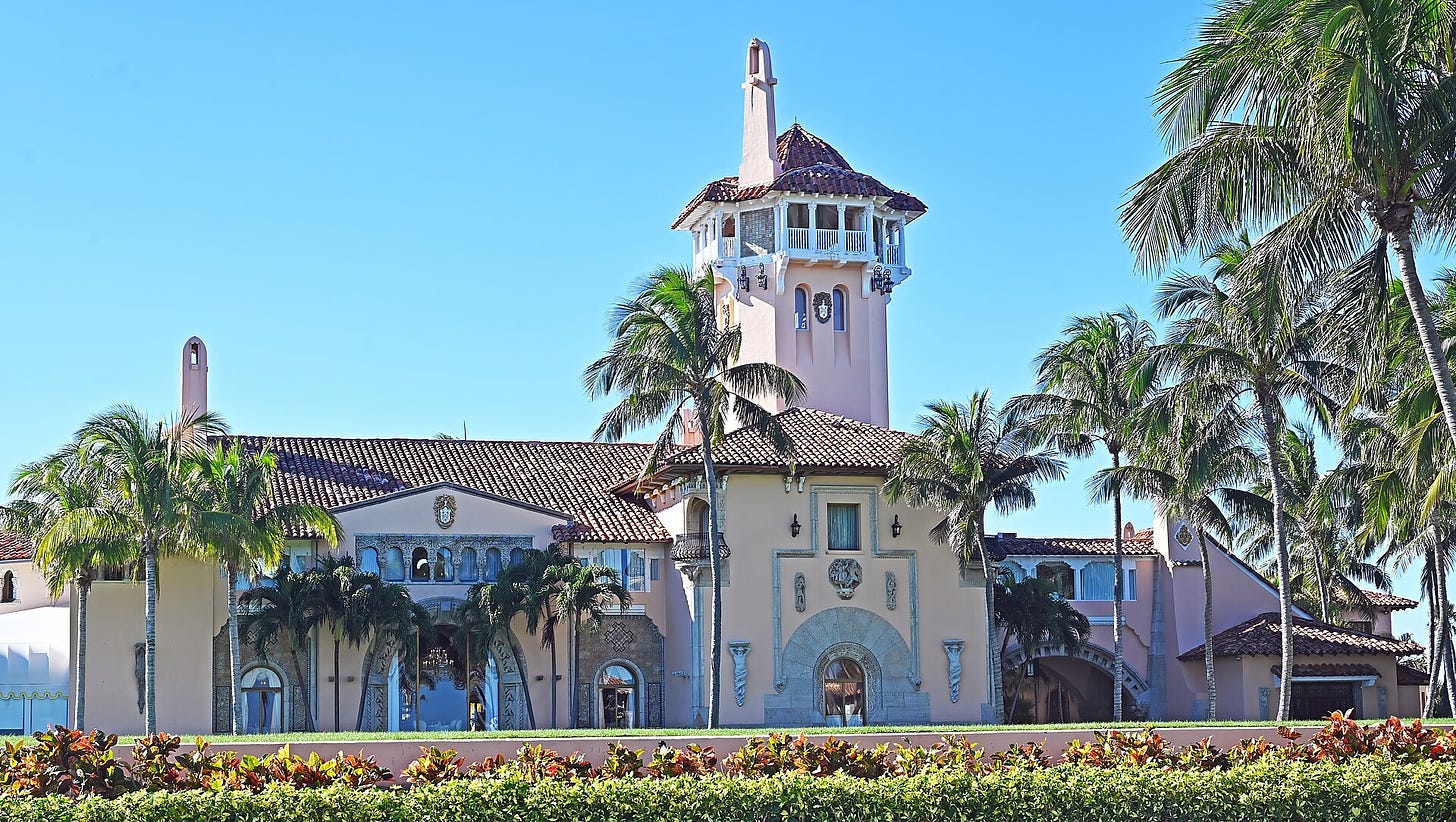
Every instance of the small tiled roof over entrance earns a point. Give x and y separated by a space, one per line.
1014 546
1380 599
1410 675
1260 637
573 477
811 166
14 547
822 443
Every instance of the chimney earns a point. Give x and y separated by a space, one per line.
692 433
760 133
193 394
1128 531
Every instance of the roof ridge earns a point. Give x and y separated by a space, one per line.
335 438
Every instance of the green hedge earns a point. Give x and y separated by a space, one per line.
1363 790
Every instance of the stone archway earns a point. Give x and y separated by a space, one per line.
504 650
893 697
1096 657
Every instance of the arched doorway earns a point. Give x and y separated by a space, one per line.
263 703
492 696
1048 684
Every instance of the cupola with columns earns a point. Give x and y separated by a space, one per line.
806 251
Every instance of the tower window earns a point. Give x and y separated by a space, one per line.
841 322
801 309
7 587
192 354
420 565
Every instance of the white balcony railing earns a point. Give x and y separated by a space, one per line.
854 242
890 255
826 239
727 247
799 239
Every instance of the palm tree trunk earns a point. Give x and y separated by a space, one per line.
1430 340
83 591
304 691
336 681
1118 664
715 566
149 690
1321 584
993 658
235 657
1208 677
554 686
369 652
1449 667
1264 397
1434 635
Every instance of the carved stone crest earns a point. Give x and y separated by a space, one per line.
1183 535
844 575
445 510
799 598
823 306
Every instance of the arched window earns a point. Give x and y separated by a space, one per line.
1097 580
1060 575
844 693
1017 572
492 564
801 308
262 701
369 560
841 322
7 587
469 565
617 693
444 569
517 557
420 564
393 564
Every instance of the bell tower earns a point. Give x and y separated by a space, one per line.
193 393
805 251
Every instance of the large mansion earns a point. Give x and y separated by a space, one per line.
837 606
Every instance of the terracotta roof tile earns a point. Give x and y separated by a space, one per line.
1394 602
822 442
811 166
14 547
1259 636
1331 669
1410 675
1067 546
573 477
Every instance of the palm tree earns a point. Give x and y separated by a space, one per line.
392 620
537 580
1329 560
671 353
242 528
1330 120
1190 455
46 492
582 594
1243 335
337 599
1089 398
142 468
280 610
1033 611
488 610
967 458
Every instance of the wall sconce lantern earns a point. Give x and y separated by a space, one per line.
743 280
794 526
896 528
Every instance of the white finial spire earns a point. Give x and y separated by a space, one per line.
193 399
760 133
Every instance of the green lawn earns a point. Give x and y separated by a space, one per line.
1030 731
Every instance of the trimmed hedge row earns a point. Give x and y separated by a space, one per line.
1369 789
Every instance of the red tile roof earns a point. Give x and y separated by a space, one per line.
1259 636
1067 546
1410 675
14 547
822 443
1380 599
811 166
573 477
1331 669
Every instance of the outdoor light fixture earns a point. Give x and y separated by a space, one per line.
743 280
896 528
794 526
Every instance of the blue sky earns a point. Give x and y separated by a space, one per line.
386 220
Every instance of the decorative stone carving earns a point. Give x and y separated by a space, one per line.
799 599
1183 535
619 636
140 650
823 307
844 575
953 648
890 586
739 650
445 510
